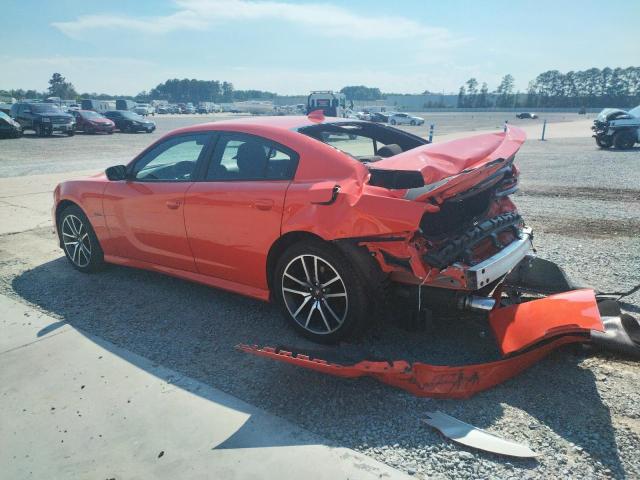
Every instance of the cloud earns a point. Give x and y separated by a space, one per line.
317 18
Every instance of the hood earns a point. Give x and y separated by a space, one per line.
612 113
451 167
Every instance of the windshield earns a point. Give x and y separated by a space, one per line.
91 114
4 116
45 108
131 115
635 112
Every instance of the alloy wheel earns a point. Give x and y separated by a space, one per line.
314 294
75 238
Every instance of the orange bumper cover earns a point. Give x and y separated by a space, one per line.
525 332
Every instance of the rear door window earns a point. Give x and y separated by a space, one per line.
249 157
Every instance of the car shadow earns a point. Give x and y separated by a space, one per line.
192 329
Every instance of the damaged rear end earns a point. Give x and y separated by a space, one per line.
470 234
439 223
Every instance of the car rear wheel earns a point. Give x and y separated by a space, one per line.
413 122
603 142
392 122
624 140
79 241
320 292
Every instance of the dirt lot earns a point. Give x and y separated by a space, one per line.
580 412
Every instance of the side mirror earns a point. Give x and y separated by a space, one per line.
119 172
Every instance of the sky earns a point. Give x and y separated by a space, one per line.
292 47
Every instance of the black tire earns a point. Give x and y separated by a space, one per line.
392 122
624 140
603 142
413 122
71 133
85 256
336 312
41 130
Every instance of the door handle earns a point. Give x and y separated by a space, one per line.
264 204
173 204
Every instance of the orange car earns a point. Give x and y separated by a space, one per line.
318 214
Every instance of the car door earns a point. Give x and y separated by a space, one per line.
145 213
234 215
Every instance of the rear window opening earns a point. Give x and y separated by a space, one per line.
366 142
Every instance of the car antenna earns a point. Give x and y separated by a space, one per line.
316 116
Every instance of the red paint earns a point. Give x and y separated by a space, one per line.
224 230
517 327
422 379
526 332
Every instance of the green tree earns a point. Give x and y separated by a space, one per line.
483 97
59 87
462 94
505 91
472 92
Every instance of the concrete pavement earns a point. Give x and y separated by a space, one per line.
75 406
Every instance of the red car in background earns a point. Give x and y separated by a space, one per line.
89 121
319 214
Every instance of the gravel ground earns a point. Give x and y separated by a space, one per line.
580 412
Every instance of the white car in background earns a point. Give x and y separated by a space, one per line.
405 119
144 109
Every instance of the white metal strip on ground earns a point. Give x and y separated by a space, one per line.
474 437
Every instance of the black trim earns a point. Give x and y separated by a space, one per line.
460 247
334 195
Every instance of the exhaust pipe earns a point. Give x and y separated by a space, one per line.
479 304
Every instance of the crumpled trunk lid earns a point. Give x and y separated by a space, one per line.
450 168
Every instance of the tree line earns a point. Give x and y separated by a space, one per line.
173 91
619 87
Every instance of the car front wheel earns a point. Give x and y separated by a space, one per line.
624 140
79 241
320 292
603 142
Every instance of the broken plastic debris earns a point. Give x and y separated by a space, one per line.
474 437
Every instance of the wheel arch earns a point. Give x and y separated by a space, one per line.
60 207
280 246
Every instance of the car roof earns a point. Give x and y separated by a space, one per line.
268 122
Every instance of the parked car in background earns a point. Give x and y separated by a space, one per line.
379 117
6 108
43 118
405 119
122 104
617 128
99 106
144 109
189 108
523 115
9 127
89 121
130 122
